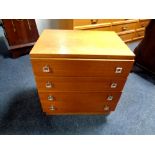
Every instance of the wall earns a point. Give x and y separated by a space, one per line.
45 24
53 24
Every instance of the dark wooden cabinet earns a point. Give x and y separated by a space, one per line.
21 34
145 51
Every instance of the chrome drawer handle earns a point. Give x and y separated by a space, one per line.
113 85
124 28
110 98
52 108
46 69
106 108
50 98
142 25
48 84
118 70
94 21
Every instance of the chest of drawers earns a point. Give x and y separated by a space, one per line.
80 72
128 29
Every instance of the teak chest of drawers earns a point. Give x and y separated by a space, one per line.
128 29
80 72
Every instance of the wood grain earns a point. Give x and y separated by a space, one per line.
124 27
79 102
75 43
79 84
81 67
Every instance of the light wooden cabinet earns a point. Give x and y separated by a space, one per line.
80 72
127 29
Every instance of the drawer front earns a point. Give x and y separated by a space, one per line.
143 23
88 111
124 27
139 33
65 84
127 36
79 102
81 67
82 22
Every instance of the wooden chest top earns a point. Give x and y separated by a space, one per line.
80 44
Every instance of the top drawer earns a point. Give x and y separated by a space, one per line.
82 22
81 67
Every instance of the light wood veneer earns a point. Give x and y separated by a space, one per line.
80 72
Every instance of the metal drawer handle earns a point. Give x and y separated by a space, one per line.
48 84
94 21
110 98
52 108
50 98
106 108
124 28
142 25
113 85
46 69
118 70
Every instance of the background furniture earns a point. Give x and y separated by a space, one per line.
21 34
145 51
128 29
80 72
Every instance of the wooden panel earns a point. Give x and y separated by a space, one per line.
124 26
81 67
20 31
139 33
143 23
73 112
105 28
127 36
79 43
66 24
64 84
85 22
79 102
80 22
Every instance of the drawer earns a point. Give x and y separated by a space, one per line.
81 67
82 22
79 102
65 84
120 26
139 33
98 27
143 23
127 36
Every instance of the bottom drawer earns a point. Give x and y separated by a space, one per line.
70 103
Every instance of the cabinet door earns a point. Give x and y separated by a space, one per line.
20 31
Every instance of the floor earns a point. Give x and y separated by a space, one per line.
20 110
